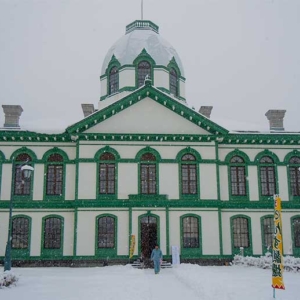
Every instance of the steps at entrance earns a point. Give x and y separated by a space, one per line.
138 264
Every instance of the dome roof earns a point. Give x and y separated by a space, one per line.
142 35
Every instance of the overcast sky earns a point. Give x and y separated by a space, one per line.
240 56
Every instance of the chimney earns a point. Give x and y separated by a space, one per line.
275 118
12 115
206 111
87 109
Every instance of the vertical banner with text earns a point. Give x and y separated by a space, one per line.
277 261
132 245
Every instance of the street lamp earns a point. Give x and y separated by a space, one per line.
26 170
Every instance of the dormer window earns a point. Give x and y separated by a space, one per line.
144 69
113 81
173 82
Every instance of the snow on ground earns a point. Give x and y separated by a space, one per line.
185 282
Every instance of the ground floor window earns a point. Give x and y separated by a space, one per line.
190 232
52 233
240 229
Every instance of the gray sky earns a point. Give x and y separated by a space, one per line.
241 56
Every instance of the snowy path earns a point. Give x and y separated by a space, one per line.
186 282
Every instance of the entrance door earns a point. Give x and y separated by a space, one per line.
148 235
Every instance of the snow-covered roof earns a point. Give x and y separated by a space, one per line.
128 47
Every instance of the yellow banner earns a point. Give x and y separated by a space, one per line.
132 245
277 261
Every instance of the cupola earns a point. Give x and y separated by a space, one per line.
141 53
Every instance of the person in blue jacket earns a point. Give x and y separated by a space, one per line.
156 257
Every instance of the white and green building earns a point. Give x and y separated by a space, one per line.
146 164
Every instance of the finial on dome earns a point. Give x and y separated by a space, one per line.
142 25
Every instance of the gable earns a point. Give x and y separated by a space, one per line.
147 117
188 118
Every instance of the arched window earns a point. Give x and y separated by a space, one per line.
148 174
188 175
173 82
52 233
296 232
294 170
107 169
21 186
268 232
113 81
237 176
267 176
20 233
106 232
240 232
190 234
54 180
144 69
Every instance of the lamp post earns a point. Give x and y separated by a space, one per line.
27 170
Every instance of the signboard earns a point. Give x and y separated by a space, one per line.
175 255
132 245
277 258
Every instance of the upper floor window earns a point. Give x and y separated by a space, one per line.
54 175
148 174
113 85
144 69
107 169
20 233
173 82
237 176
294 170
267 176
52 233
188 175
240 229
190 232
106 232
21 186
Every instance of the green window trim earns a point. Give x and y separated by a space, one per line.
236 250
106 149
191 252
52 253
174 66
264 247
22 253
288 164
106 252
296 250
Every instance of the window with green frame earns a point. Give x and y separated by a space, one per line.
296 232
106 232
267 233
52 233
173 77
21 187
148 184
20 233
237 176
294 173
113 85
54 178
240 230
190 232
267 176
107 173
189 178
143 70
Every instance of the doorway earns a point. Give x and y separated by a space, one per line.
148 235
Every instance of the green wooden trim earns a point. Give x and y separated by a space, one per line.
247 251
237 152
264 248
130 229
106 252
269 153
167 231
106 149
191 252
296 250
55 150
218 170
52 253
75 231
188 150
22 253
148 214
173 65
23 150
220 231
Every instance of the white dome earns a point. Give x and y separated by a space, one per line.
142 35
